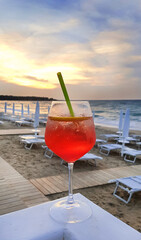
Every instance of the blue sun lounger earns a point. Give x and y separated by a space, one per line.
132 153
87 157
28 143
106 148
129 184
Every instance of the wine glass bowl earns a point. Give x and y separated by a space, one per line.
70 137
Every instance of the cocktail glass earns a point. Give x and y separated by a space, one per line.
70 138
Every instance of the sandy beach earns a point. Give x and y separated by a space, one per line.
33 164
69 52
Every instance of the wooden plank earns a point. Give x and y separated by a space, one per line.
22 195
34 202
11 209
56 184
85 177
6 196
15 191
116 173
39 186
18 131
101 177
81 181
8 201
136 169
106 174
92 180
52 183
12 204
62 183
47 185
77 182
22 185
65 180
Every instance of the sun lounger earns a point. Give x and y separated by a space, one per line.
29 137
23 122
36 131
48 153
87 157
128 184
133 153
122 141
106 148
138 144
28 143
109 136
12 118
90 156
43 121
28 118
126 140
138 137
100 141
32 136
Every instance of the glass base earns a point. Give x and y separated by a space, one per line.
65 212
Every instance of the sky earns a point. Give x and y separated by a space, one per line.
95 44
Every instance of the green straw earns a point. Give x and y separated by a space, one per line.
65 93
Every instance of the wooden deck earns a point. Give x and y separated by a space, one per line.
15 191
57 184
19 131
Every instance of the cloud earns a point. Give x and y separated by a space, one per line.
94 43
35 78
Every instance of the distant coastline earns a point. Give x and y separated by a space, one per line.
24 98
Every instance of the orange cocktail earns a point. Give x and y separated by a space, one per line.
70 137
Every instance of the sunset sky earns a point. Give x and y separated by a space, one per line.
96 44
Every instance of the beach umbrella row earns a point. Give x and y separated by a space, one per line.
22 110
13 109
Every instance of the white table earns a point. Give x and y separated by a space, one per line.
35 223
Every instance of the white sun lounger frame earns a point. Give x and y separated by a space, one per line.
48 153
30 142
126 184
106 148
132 153
87 157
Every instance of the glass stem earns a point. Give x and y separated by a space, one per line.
70 196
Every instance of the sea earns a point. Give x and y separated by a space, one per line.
106 112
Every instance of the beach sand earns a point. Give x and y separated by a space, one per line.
33 164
